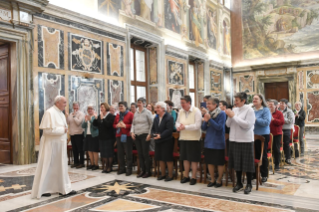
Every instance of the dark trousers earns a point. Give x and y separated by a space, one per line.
143 147
264 166
77 148
125 148
276 149
301 141
287 141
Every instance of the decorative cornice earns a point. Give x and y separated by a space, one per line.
137 32
176 52
31 6
198 54
76 20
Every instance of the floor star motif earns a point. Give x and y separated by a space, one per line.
116 187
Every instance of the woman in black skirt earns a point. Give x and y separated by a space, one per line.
106 136
162 131
91 133
214 125
241 121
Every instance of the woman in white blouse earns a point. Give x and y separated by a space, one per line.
241 121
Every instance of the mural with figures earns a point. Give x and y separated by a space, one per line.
278 27
173 17
115 92
196 21
212 28
86 92
85 54
50 86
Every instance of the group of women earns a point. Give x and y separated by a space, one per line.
142 126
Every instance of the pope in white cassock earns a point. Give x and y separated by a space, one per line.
51 175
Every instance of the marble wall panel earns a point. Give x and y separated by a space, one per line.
175 96
215 81
50 86
175 73
313 106
153 66
50 47
300 80
115 60
154 95
312 79
86 92
200 78
85 54
246 84
115 92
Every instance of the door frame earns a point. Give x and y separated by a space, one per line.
290 78
10 98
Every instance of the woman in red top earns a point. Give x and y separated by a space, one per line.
122 124
277 121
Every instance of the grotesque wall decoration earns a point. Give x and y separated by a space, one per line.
115 92
312 79
175 73
215 81
175 96
115 62
50 47
313 106
246 84
85 54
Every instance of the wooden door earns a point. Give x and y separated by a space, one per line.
277 90
5 112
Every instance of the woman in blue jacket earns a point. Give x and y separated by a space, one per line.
262 122
214 125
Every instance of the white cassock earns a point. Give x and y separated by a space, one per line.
51 175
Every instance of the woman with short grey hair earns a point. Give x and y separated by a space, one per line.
141 126
162 131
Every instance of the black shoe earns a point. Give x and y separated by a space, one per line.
46 195
80 166
161 177
185 180
128 173
193 181
140 175
121 172
247 189
146 175
71 193
95 168
169 179
104 171
210 184
288 161
264 179
218 185
74 165
89 167
238 187
277 168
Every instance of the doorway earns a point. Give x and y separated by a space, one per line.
5 105
277 90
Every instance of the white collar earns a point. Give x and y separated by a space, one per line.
55 107
105 115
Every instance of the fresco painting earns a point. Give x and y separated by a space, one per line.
279 27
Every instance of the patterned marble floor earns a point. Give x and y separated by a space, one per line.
294 188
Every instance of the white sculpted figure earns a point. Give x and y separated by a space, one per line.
51 175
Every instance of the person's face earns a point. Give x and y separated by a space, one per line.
122 108
238 102
103 110
211 106
185 105
133 108
112 110
222 107
282 105
75 107
271 106
159 110
61 104
90 111
297 106
140 104
149 107
257 101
